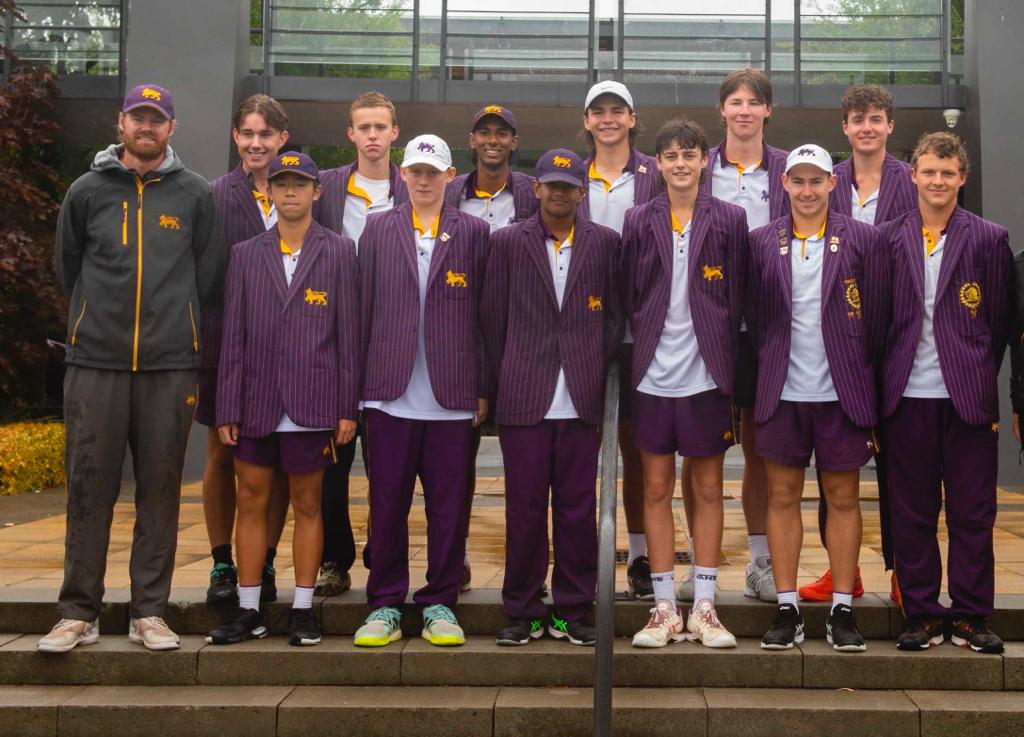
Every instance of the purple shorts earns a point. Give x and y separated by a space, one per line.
695 426
206 405
624 357
293 452
799 428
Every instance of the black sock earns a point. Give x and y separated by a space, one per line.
271 554
222 554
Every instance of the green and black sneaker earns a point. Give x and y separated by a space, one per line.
578 632
223 587
521 631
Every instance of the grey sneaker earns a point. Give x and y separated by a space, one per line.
760 582
440 627
331 580
69 633
152 633
383 626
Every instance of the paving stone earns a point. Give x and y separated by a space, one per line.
183 711
648 712
1013 667
272 661
981 714
34 610
758 712
692 664
882 666
482 662
111 661
385 711
31 711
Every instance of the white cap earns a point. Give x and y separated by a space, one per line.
609 87
810 153
428 149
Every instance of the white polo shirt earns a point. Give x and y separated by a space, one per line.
418 402
363 197
497 209
677 369
809 378
864 211
559 254
926 380
267 210
748 188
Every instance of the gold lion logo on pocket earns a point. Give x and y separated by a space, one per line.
713 273
970 297
852 294
454 279
316 298
595 304
170 222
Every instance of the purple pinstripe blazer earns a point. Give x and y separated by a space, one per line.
897 192
718 264
972 310
778 199
852 307
295 348
521 186
241 219
329 210
391 307
528 337
647 180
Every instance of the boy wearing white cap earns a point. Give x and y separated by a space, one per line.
618 178
815 315
422 266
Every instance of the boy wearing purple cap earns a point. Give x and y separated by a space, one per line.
500 197
422 266
287 385
815 317
552 321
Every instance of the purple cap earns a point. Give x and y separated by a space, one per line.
561 165
497 111
296 163
150 95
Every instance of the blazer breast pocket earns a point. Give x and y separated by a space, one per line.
455 278
969 307
849 299
315 302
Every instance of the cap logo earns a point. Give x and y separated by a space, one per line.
290 161
493 109
456 280
314 297
427 147
561 162
169 222
151 94
805 152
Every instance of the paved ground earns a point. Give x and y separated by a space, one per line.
32 534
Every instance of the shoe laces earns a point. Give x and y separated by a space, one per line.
269 570
155 623
439 613
329 568
660 616
387 614
788 615
66 623
220 570
706 614
843 616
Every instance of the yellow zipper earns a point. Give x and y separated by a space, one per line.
140 185
74 331
195 334
124 223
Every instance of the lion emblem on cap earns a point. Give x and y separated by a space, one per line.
151 94
805 152
562 162
495 109
426 147
290 161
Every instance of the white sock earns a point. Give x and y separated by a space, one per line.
758 545
637 546
664 586
303 597
789 597
838 599
705 580
249 597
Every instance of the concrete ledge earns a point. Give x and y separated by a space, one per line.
692 664
1013 667
320 711
31 711
34 611
482 662
945 714
809 713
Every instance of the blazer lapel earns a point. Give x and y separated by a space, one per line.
246 200
952 249
537 248
845 178
582 235
271 250
911 240
663 236
886 190
446 231
699 229
831 260
784 237
401 222
312 244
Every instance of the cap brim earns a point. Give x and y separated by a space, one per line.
590 100
499 116
556 176
409 161
816 165
296 172
152 105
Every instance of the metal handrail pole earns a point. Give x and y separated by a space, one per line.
415 91
591 52
605 618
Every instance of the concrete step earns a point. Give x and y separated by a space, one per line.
113 661
312 711
479 612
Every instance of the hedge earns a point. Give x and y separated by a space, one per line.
31 456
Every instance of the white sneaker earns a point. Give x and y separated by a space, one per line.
760 582
664 626
704 626
440 627
68 633
383 626
153 633
685 590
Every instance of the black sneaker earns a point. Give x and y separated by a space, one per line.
578 632
238 625
973 632
841 631
920 633
521 631
303 627
787 631
223 587
638 577
269 590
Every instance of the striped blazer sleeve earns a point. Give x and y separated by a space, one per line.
614 323
998 281
367 267
481 257
348 334
494 308
232 351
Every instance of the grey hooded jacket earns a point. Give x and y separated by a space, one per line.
140 258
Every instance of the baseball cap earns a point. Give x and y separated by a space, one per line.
497 111
609 87
296 163
560 165
810 153
149 95
428 149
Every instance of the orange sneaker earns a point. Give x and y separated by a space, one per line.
821 590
